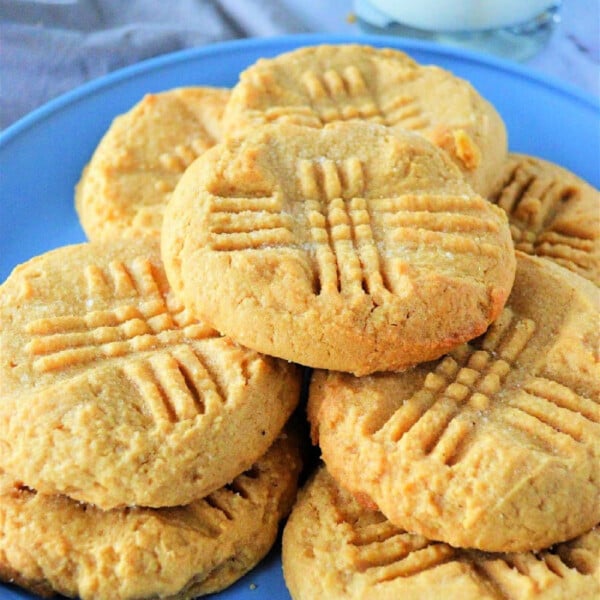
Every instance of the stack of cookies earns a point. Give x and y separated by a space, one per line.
142 454
346 210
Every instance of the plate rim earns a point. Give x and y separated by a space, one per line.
89 88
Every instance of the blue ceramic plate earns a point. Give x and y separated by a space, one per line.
41 156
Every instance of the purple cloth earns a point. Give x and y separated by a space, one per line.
47 48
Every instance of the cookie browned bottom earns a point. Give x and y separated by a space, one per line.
552 213
129 179
54 544
336 549
348 247
113 394
497 445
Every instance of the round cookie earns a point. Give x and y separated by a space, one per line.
552 213
129 179
52 543
321 84
335 548
112 394
497 445
346 247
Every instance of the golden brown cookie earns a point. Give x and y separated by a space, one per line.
336 549
321 84
112 394
497 445
552 213
347 247
52 543
130 177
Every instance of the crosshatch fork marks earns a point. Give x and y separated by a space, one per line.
431 556
340 95
61 351
222 507
384 552
564 397
572 252
343 94
453 223
554 415
521 571
347 232
406 111
248 223
341 221
175 385
533 202
140 319
346 253
466 379
121 280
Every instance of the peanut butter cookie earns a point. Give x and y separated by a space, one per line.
497 445
130 177
348 247
552 213
113 394
321 84
54 544
335 548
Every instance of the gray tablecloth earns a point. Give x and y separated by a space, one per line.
47 48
